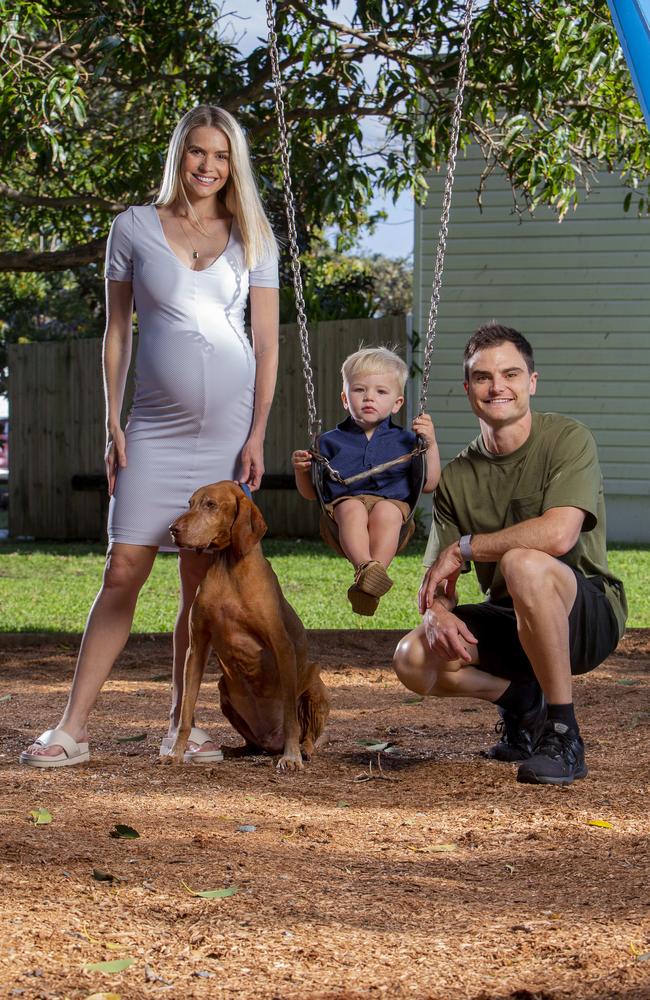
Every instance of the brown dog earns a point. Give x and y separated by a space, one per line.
268 690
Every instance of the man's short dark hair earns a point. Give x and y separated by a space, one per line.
491 335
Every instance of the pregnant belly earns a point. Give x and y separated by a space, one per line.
187 374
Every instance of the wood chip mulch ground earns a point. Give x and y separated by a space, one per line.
422 870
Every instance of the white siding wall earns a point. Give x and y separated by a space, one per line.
578 290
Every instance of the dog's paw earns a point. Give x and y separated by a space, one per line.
290 762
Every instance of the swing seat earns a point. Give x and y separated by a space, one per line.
329 529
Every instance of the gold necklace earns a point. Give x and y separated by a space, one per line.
195 252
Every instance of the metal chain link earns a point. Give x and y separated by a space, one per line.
446 206
285 152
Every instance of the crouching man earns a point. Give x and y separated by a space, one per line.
524 503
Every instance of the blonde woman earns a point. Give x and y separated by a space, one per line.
189 263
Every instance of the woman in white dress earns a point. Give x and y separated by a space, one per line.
202 398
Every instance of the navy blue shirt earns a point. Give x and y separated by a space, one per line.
349 451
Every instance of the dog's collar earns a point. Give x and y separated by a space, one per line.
245 490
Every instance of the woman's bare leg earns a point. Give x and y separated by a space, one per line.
106 632
192 567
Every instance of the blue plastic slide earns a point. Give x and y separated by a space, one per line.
632 21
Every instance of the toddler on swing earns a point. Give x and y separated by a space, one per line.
370 513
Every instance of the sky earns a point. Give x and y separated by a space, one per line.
393 238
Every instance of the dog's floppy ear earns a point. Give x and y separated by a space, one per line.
248 527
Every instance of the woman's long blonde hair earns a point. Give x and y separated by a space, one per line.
239 195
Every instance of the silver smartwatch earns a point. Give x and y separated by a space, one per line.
465 545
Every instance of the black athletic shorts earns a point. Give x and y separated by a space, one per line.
593 632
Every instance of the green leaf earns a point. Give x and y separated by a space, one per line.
627 682
117 965
41 816
6 697
122 832
211 893
136 738
413 701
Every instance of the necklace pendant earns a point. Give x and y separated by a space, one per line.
195 254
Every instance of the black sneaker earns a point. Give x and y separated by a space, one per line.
559 757
519 733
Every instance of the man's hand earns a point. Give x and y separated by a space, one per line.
442 575
447 635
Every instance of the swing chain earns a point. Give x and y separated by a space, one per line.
314 423
446 206
285 153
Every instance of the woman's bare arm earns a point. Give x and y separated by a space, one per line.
116 357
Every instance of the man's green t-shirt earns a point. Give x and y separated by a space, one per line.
557 466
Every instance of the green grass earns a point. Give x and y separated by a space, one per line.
50 587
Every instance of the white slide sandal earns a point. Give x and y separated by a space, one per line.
73 752
198 736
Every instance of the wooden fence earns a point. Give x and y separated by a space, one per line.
57 429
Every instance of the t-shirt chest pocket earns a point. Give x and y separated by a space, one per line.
523 508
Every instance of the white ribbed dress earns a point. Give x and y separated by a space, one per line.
195 374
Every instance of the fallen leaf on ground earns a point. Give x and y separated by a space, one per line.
117 965
151 976
101 876
413 701
246 828
211 893
111 945
40 816
369 775
433 848
600 822
104 996
5 697
131 739
123 832
297 831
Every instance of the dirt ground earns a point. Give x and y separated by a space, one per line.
432 874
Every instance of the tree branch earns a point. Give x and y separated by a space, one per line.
57 260
41 201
